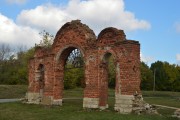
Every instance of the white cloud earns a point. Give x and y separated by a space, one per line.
16 1
47 17
177 26
98 14
17 35
147 59
178 58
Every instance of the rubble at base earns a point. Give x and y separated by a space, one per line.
177 114
141 107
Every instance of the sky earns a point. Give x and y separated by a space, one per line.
154 23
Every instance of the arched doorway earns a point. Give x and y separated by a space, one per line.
72 73
40 78
107 91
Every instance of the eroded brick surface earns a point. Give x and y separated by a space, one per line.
74 34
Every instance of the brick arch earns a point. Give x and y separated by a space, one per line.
75 34
72 31
60 60
109 52
111 35
57 56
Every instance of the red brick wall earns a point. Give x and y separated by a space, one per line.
126 54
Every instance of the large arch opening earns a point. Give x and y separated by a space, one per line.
107 95
71 61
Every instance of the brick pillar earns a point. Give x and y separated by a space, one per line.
47 98
91 91
128 78
103 79
33 94
31 75
58 84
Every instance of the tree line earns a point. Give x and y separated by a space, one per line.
161 76
13 65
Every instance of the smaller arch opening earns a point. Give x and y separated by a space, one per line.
108 81
108 59
40 73
41 67
41 79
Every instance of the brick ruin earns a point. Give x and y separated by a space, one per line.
46 68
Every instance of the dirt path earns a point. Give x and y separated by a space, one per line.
166 106
8 100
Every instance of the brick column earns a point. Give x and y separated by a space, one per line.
91 91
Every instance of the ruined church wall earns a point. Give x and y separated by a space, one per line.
75 35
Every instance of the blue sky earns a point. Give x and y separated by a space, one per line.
163 39
154 23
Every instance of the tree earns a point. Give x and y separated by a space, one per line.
6 62
5 52
111 72
23 59
146 77
176 83
166 75
74 70
160 75
14 69
13 64
73 78
47 39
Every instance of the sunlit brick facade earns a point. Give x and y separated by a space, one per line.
46 68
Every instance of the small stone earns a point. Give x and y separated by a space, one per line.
177 113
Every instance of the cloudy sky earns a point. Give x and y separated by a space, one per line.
154 23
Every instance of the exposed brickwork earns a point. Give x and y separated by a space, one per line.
126 54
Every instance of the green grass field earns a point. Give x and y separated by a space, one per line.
12 91
72 109
171 99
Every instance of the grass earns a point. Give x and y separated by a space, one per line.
162 98
73 93
161 94
164 101
12 91
72 109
